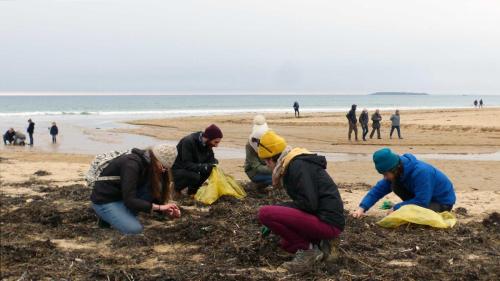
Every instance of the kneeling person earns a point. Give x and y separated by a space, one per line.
414 181
195 159
256 168
143 186
310 223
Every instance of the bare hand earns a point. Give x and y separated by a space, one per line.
171 209
390 211
359 213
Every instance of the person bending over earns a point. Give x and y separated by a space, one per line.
195 159
414 181
143 186
311 222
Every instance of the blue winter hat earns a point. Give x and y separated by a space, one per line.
385 160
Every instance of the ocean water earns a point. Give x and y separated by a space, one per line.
186 105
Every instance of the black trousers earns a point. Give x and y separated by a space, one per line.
373 132
365 131
398 129
31 138
405 195
188 179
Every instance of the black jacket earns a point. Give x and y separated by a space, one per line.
363 119
31 128
134 173
376 118
9 135
54 130
351 116
192 154
313 190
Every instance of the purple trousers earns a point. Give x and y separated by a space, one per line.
296 228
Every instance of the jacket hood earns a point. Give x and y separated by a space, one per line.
314 159
143 154
409 162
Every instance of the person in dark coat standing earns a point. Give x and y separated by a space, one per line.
475 103
363 120
54 131
481 103
376 118
296 109
9 136
310 224
195 159
31 130
353 120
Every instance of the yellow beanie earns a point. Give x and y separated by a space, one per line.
270 145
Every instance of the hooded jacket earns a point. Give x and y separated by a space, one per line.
425 182
192 153
351 115
253 164
133 171
313 190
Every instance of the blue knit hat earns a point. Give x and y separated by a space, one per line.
385 160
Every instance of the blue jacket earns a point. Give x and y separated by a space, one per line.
425 181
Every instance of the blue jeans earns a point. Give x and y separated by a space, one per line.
263 178
119 216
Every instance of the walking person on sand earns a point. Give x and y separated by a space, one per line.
363 120
144 185
481 103
395 119
296 109
376 118
475 103
412 180
353 120
54 131
310 224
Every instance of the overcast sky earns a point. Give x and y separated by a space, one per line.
340 47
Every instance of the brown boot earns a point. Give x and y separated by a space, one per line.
330 249
304 260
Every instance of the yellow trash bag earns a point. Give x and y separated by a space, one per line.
219 184
418 215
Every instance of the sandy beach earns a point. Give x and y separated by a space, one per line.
433 134
44 188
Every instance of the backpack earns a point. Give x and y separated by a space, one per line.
100 163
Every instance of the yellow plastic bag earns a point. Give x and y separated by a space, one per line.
418 215
219 184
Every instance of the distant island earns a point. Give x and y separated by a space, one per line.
398 94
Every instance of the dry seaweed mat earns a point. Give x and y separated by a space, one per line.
55 236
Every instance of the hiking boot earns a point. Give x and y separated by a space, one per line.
102 223
304 260
330 249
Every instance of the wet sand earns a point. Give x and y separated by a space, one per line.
475 176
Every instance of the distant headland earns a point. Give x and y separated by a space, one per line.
398 94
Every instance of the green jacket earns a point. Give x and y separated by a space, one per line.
253 164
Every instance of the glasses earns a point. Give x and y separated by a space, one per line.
257 141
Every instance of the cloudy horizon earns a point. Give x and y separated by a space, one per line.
319 47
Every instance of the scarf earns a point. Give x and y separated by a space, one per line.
283 161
